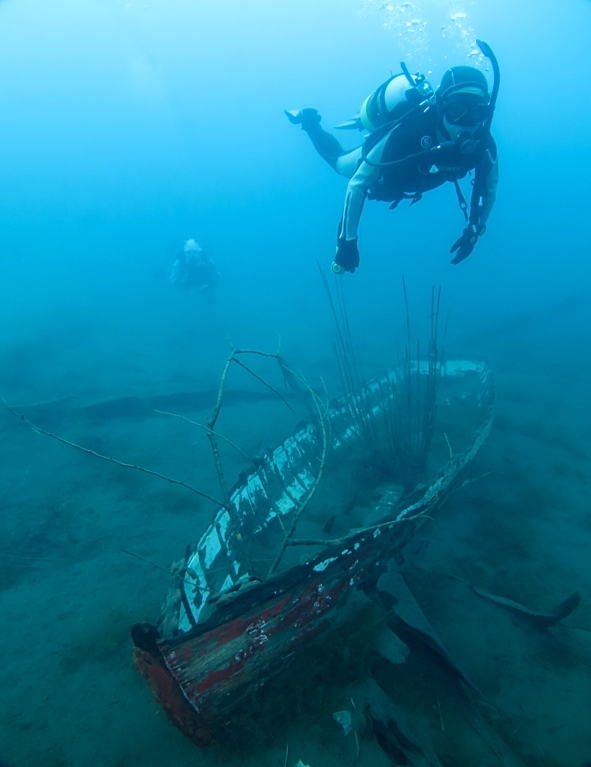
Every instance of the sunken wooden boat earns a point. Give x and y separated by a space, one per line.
229 626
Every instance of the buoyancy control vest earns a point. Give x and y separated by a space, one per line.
415 160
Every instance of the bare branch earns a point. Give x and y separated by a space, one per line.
206 428
262 380
323 421
159 567
113 460
216 411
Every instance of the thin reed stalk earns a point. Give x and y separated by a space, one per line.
352 380
396 422
409 399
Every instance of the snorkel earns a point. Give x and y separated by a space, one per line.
408 75
487 51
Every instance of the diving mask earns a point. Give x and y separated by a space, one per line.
466 112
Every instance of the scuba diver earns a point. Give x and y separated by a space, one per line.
194 268
418 139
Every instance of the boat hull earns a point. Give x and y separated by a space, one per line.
203 667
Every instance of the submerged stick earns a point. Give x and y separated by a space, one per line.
323 419
540 620
112 460
206 428
262 380
212 420
212 435
232 444
159 567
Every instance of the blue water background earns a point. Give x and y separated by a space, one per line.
129 127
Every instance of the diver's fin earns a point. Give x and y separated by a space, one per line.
303 117
293 115
353 124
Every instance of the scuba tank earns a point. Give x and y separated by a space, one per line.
391 101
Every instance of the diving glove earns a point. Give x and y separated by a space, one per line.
347 257
464 245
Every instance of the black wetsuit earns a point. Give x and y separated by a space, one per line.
418 171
